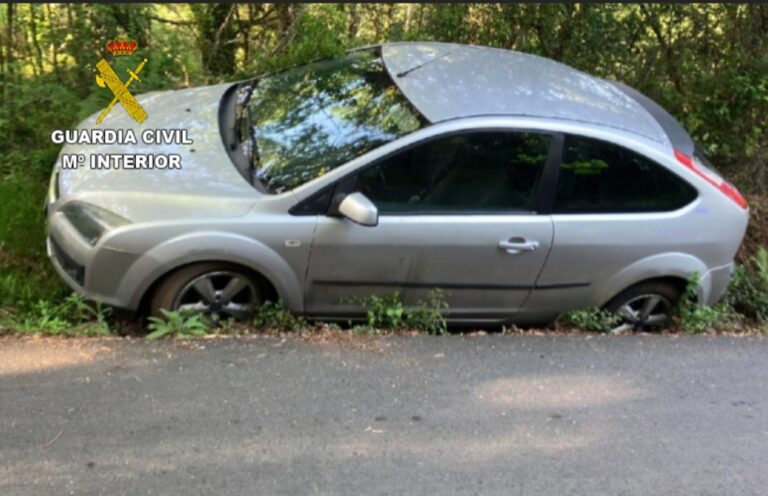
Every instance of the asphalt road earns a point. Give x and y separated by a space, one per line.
507 415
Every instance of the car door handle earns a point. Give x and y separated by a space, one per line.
517 245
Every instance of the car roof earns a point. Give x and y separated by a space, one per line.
449 81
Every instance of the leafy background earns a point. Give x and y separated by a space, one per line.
706 63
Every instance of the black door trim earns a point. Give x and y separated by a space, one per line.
451 285
545 194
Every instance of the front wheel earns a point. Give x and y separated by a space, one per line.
219 290
645 306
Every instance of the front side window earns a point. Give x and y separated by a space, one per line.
309 120
473 172
600 177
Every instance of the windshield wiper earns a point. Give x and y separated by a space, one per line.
255 156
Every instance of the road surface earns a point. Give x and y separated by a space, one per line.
506 415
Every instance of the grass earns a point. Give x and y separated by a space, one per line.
590 319
70 316
387 313
26 276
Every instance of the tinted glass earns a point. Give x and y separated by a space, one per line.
308 120
476 172
597 176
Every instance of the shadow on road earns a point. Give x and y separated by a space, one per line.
451 415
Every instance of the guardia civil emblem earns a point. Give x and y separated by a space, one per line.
108 78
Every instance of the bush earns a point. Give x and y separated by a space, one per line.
748 292
178 324
277 316
697 319
591 319
388 313
72 316
428 316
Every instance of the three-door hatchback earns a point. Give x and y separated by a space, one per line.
520 187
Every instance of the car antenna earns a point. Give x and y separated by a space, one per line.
419 66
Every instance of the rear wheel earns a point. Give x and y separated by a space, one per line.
645 306
222 291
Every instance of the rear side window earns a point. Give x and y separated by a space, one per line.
600 177
474 172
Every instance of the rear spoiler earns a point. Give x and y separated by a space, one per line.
675 132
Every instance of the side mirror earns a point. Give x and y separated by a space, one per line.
357 208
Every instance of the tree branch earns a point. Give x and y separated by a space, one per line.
170 21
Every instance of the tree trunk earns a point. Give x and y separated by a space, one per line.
215 31
54 40
33 34
354 19
9 56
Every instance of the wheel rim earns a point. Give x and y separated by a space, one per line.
221 294
643 312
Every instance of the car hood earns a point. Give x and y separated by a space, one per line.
207 179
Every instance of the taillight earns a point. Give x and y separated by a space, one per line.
724 186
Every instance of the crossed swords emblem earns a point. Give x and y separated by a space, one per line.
108 78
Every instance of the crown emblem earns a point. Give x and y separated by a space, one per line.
122 46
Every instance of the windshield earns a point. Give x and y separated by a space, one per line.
306 121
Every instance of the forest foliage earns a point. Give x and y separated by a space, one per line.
706 63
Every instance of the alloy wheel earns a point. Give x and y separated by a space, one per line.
643 312
220 294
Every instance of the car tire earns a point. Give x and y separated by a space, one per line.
220 290
644 306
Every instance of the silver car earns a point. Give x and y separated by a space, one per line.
520 187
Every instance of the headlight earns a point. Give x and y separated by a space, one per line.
91 221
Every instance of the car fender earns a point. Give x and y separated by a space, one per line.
675 264
211 246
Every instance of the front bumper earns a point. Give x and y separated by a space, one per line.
72 272
95 272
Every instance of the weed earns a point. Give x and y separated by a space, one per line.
748 291
429 316
591 319
388 313
697 319
71 316
275 315
385 312
179 324
230 327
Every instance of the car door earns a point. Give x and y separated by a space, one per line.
455 213
613 207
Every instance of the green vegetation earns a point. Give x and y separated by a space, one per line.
590 319
748 293
178 324
272 315
706 63
72 316
696 319
744 305
269 316
384 313
387 313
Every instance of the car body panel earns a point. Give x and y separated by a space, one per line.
485 81
414 254
156 194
